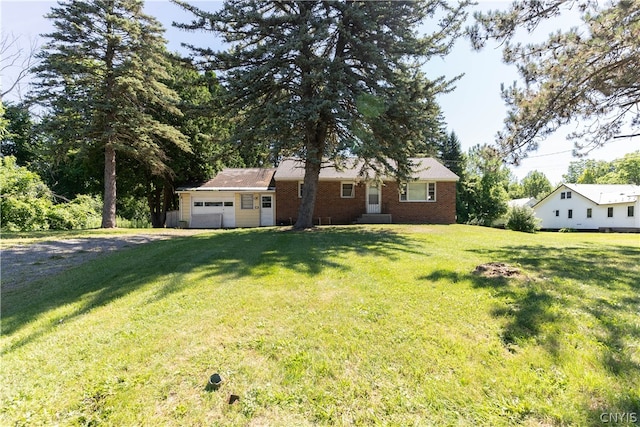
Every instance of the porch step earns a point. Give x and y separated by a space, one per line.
374 219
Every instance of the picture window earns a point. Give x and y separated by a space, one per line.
418 192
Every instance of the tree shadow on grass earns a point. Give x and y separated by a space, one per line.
563 287
219 256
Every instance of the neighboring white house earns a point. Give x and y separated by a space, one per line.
591 207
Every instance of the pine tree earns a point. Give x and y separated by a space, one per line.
101 77
451 155
587 74
324 80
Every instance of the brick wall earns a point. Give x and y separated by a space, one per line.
329 203
442 211
345 211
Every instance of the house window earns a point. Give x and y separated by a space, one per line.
589 212
227 204
210 204
563 195
570 213
246 201
568 194
630 211
418 192
556 212
300 187
609 212
198 204
347 190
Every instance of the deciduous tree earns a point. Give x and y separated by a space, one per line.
536 185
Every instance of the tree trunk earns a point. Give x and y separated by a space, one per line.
159 200
309 191
317 134
109 206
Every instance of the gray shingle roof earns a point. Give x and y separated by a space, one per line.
427 169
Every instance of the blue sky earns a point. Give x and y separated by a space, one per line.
474 110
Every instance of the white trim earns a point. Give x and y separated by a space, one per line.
427 192
353 189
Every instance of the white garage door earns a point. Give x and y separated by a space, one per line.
205 212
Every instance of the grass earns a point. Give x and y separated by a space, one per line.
339 326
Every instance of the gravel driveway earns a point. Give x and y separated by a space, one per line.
22 264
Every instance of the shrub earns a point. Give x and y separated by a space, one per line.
24 214
24 198
79 213
522 218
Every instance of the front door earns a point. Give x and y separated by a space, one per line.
373 199
266 210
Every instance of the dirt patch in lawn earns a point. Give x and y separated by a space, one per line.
498 269
23 264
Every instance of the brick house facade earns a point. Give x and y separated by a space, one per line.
333 207
254 197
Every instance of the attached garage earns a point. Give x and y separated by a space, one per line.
234 198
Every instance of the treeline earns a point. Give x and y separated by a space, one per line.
486 184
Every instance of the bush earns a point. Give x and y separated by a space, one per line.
23 214
81 212
24 198
522 218
26 203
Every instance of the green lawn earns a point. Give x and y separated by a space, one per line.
337 326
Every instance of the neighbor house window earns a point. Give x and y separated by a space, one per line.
609 212
228 204
568 194
418 192
198 204
589 212
629 210
563 195
347 190
300 187
246 201
213 204
556 212
570 213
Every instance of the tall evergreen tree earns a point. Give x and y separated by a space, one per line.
323 80
450 152
451 155
101 76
